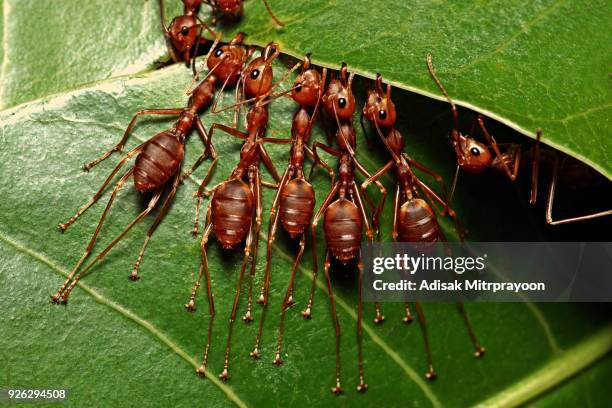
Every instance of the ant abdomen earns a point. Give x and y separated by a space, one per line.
231 212
417 222
297 203
343 225
158 161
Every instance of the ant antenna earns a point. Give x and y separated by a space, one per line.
437 81
276 20
162 15
190 88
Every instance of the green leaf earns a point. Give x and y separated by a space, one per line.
528 65
50 46
120 342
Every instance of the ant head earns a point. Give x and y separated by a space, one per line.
473 156
182 33
191 5
346 134
257 76
339 99
308 85
227 61
230 8
379 107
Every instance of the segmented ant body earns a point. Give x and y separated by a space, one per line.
294 202
343 211
474 157
158 160
414 219
184 32
235 210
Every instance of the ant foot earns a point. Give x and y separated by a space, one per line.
86 167
362 387
255 353
306 313
201 371
337 389
62 227
379 319
56 298
290 301
190 306
431 374
261 300
194 231
277 359
408 319
248 317
479 351
224 376
134 276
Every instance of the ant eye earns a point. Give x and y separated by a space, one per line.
382 113
218 53
379 99
475 151
342 102
184 30
254 74
298 87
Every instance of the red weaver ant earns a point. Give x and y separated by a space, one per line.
294 202
414 219
158 161
236 203
473 157
343 211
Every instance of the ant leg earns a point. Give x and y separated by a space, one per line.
101 256
451 213
255 183
454 185
318 159
431 373
119 146
307 313
64 226
338 388
493 143
436 177
162 213
326 166
268 163
377 210
208 148
55 298
535 168
551 198
364 215
478 349
263 294
288 300
190 305
224 376
276 20
272 225
362 387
